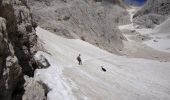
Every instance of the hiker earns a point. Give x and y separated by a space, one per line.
79 60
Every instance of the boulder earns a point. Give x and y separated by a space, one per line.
41 61
34 90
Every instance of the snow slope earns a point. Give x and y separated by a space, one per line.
125 78
164 27
161 37
159 42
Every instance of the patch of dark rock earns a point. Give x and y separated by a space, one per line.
133 31
19 90
155 40
98 0
66 18
28 28
83 38
64 1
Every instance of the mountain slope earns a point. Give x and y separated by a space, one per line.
154 12
160 37
125 78
94 21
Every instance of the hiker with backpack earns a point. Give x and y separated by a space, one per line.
79 59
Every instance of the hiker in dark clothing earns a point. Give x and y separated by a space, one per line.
79 60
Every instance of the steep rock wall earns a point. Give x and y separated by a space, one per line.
21 32
10 70
17 48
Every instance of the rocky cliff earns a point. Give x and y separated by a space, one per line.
94 21
10 70
21 32
152 13
17 48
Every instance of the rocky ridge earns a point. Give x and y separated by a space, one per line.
153 13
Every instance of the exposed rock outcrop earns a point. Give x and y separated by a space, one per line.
153 13
41 61
21 32
34 90
10 70
17 48
94 21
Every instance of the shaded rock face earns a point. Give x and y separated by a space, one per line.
94 21
21 32
18 44
153 13
10 70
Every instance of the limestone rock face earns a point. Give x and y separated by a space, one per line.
153 13
34 90
94 21
20 28
18 44
10 70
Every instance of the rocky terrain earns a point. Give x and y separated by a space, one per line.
17 48
36 64
9 66
154 12
94 21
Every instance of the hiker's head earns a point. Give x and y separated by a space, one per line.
79 54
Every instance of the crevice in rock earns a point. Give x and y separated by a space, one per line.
19 90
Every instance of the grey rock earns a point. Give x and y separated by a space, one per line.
153 13
34 90
17 47
21 32
10 70
42 62
94 21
